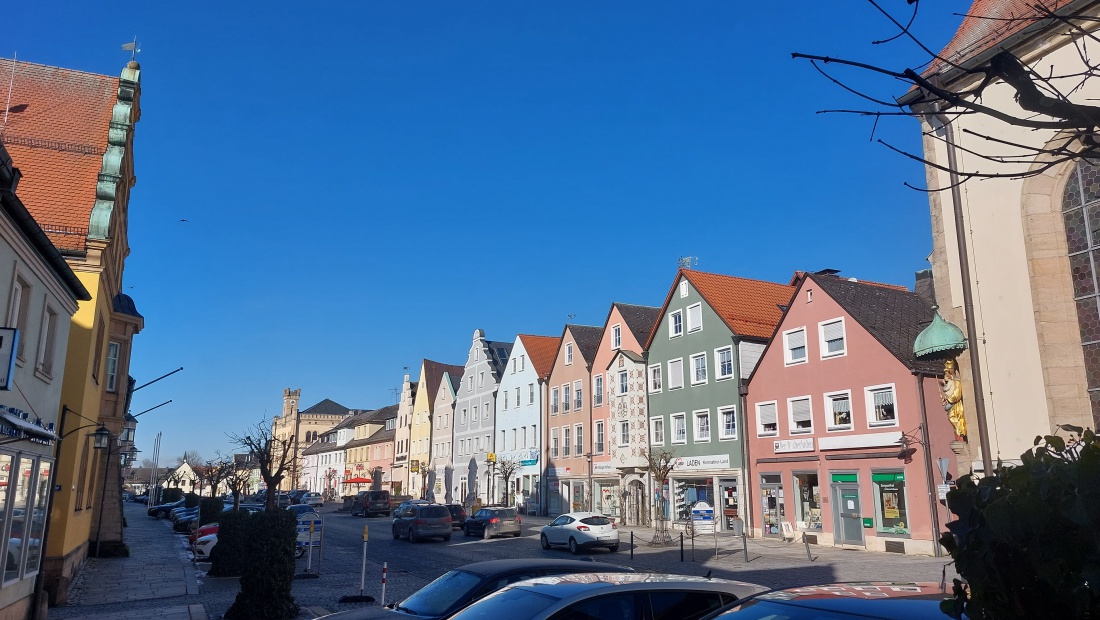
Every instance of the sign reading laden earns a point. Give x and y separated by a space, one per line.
709 461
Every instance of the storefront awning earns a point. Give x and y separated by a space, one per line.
18 428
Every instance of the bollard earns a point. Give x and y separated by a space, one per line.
631 545
363 572
693 548
385 566
745 545
681 546
361 598
806 542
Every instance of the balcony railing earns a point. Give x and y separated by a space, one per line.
553 408
599 447
577 404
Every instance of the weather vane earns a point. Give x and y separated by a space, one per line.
132 47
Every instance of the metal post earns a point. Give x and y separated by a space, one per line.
693 547
309 550
385 566
806 541
745 546
681 546
631 545
363 573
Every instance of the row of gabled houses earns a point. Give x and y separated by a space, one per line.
790 408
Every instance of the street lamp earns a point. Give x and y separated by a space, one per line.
591 493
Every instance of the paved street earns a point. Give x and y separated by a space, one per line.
159 580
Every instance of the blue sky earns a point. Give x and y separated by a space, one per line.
366 183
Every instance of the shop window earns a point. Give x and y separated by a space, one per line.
807 502
890 505
687 491
20 495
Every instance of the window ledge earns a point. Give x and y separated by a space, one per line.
43 375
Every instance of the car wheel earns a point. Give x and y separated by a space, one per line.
543 541
466 531
396 534
413 536
573 547
485 535
613 548
447 538
515 535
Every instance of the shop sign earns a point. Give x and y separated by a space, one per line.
805 444
528 458
557 472
604 468
702 518
709 461
414 466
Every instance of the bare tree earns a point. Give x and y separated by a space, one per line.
950 87
237 478
217 471
507 469
659 464
191 457
274 457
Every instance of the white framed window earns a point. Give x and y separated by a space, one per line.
616 336
464 419
727 423
654 378
113 350
47 343
701 420
838 411
578 431
679 428
475 413
767 419
676 373
597 390
794 346
832 338
881 406
683 288
624 433
698 368
515 365
657 431
676 324
553 401
578 394
523 436
485 411
19 313
624 382
598 447
566 397
505 406
723 363
568 353
553 443
800 412
566 444
530 393
518 401
695 317
481 379
470 383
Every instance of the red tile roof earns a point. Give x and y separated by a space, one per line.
750 308
541 350
987 24
56 132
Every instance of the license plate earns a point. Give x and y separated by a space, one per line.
603 538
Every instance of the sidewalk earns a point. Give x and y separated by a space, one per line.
157 581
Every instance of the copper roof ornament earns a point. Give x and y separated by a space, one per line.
943 340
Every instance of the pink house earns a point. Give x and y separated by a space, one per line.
569 421
846 428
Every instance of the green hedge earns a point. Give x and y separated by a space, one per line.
191 500
268 567
228 556
209 510
167 496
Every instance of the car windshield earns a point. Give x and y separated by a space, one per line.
439 596
504 603
596 521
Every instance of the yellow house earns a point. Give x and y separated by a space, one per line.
420 431
359 460
74 143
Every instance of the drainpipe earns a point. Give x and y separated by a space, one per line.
742 421
968 296
928 476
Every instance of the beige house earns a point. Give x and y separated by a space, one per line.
302 428
1029 241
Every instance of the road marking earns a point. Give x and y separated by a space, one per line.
491 540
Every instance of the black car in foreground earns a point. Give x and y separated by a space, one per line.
868 600
458 588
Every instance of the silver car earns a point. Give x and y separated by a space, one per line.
493 521
610 596
581 530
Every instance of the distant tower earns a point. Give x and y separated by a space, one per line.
290 402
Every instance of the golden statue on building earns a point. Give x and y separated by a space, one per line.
951 394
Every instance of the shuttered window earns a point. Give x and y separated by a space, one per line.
796 346
767 419
841 405
801 416
675 374
882 407
695 318
832 338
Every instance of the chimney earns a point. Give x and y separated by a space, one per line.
925 287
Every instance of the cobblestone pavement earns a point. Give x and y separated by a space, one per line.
159 580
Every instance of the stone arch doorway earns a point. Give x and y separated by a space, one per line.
635 507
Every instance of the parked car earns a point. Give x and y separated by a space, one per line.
297 495
161 511
369 503
415 521
314 499
610 596
458 515
493 521
203 546
140 499
866 599
205 530
301 509
458 588
579 531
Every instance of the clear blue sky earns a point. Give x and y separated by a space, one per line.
366 183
